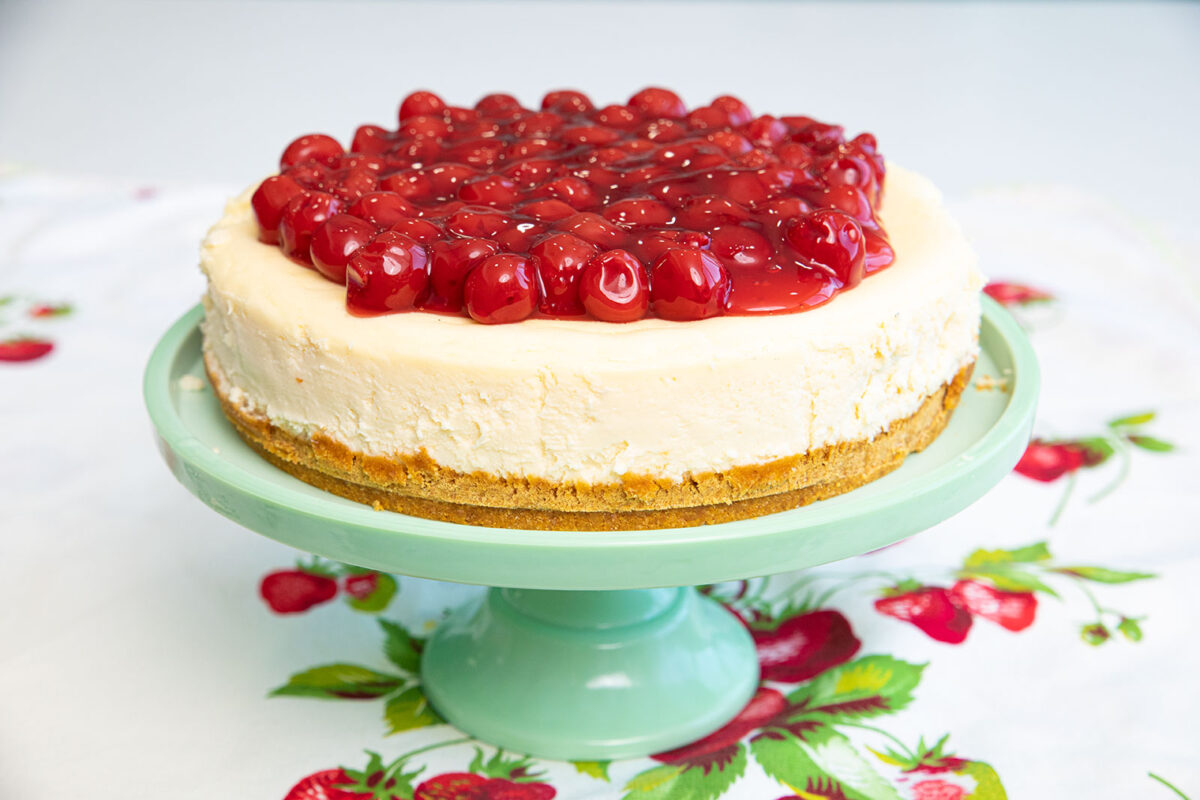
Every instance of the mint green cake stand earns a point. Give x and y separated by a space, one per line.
597 647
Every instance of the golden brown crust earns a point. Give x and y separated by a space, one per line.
416 485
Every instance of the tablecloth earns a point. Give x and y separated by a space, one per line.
1042 643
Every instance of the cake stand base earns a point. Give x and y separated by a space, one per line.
590 675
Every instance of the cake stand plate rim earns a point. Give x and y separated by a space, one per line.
252 492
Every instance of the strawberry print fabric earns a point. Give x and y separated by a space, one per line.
1042 643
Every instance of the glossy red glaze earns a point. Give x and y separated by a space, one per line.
779 213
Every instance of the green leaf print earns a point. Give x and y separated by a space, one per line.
409 710
400 647
824 764
867 687
676 782
1103 575
340 682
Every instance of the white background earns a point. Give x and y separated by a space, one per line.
1099 96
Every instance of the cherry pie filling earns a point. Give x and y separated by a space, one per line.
501 213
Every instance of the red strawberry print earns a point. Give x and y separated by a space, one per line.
362 585
469 786
765 705
937 790
1049 461
930 608
24 349
44 310
323 785
804 645
292 591
1011 610
1015 294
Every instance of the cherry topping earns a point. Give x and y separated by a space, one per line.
449 263
831 241
421 104
567 101
382 209
389 273
500 289
688 284
738 214
335 240
614 288
559 261
300 218
269 200
312 147
658 103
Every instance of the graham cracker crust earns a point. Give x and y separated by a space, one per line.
418 486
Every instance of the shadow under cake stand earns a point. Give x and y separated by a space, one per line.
597 646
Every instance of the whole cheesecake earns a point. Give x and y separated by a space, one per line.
637 316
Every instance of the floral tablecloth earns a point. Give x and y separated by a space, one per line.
1043 643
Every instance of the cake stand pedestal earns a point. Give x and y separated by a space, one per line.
596 647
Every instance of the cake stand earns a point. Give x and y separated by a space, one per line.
596 646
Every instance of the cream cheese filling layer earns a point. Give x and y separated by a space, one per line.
589 401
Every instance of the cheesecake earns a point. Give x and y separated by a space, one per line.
634 316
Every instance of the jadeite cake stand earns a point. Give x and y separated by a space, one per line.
597 646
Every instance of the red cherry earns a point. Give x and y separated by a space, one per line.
335 240
558 262
707 117
500 289
639 212
765 131
831 241
849 199
269 200
445 180
731 144
614 287
449 263
593 228
477 222
820 137
688 284
382 209
538 124
573 191
548 210
784 208
594 135
709 210
567 101
353 183
310 175
490 190
433 127
663 131
292 591
533 171
739 113
741 246
420 230
795 155
300 218
390 273
370 140
311 147
657 103
481 153
421 104
410 184
497 105
520 237
617 116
